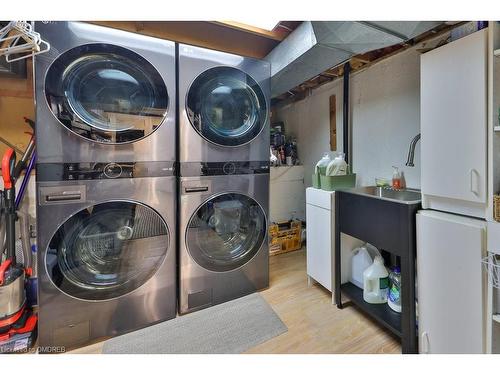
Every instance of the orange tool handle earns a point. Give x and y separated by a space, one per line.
8 163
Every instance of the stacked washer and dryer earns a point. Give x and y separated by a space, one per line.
110 134
106 187
224 176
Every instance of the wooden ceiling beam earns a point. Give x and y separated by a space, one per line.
206 34
277 34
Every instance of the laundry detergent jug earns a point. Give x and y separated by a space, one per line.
337 167
322 164
376 282
360 261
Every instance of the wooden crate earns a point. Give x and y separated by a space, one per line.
496 207
285 237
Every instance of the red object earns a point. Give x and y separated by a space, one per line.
3 268
29 326
7 160
12 319
396 183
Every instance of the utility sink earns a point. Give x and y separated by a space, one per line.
407 196
386 218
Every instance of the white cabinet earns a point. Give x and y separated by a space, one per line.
454 126
450 283
320 224
320 220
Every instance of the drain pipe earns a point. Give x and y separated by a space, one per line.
345 112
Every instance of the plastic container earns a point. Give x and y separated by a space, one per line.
376 282
337 167
394 297
360 261
323 163
396 179
332 183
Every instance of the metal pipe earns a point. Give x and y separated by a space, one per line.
411 151
345 112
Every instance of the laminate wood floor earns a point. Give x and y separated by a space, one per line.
314 324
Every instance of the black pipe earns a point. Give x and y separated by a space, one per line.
345 111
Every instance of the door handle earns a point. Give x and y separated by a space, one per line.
63 197
195 189
474 187
425 343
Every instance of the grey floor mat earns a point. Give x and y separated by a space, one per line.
231 327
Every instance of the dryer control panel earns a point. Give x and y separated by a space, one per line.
99 171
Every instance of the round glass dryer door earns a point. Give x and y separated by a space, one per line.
226 232
226 106
106 93
107 250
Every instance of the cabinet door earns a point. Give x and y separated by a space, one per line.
450 283
453 119
319 245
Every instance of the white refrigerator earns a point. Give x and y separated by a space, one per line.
451 228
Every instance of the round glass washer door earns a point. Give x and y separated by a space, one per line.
107 250
226 232
106 93
226 106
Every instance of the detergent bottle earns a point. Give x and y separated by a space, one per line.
376 282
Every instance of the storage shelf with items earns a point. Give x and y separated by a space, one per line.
285 237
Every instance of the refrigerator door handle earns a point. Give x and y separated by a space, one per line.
425 343
474 187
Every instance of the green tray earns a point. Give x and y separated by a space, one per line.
332 183
316 181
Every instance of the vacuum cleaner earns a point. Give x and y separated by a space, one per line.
18 321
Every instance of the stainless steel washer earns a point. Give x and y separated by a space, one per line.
104 95
223 244
107 250
223 106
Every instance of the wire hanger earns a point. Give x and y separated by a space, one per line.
18 38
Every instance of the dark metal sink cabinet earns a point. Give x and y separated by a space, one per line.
385 218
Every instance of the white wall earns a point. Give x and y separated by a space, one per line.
385 116
287 189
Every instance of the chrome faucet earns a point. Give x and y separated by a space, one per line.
411 151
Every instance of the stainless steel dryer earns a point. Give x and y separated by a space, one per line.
223 106
223 240
107 250
104 95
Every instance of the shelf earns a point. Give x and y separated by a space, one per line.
496 52
496 318
496 128
382 313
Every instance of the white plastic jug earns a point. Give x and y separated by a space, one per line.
376 282
337 167
323 163
360 261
